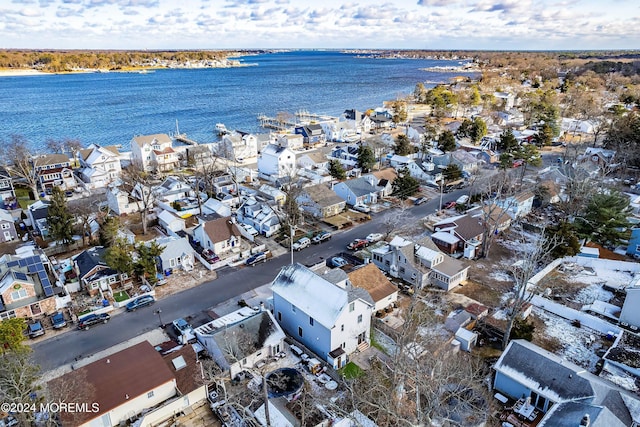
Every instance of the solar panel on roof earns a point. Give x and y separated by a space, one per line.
12 264
19 275
1 304
46 287
22 262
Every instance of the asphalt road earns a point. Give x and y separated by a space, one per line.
231 282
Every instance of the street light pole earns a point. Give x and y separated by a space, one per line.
159 312
291 230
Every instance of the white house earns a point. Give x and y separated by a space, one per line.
121 202
171 222
258 215
518 205
238 146
290 141
220 235
154 152
325 313
100 165
177 253
276 162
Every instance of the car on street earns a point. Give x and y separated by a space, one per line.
336 262
462 199
362 208
256 258
305 242
58 321
140 302
323 236
420 200
210 256
449 205
374 237
92 319
35 329
518 163
358 244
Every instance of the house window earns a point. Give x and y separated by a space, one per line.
8 315
5 226
94 286
311 321
344 345
172 262
35 309
279 317
150 394
359 318
112 279
401 269
352 307
19 294
293 308
341 328
300 331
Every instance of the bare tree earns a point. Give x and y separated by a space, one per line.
85 210
18 383
141 185
18 160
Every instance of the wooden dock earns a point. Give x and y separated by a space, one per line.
182 137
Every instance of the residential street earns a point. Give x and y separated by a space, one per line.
74 344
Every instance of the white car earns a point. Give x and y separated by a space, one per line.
362 208
249 229
305 242
374 237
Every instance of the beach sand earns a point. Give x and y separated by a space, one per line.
5 72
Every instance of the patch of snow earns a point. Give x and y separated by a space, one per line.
500 315
619 377
576 342
598 275
501 276
593 292
506 297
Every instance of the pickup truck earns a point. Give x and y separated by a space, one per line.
305 242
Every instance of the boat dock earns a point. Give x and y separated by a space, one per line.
182 137
283 122
276 123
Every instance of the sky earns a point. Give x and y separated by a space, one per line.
331 24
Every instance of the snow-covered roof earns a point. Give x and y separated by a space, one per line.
427 253
174 247
400 242
445 237
315 296
168 217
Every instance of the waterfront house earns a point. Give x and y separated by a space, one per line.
313 160
177 254
99 166
369 277
26 290
357 191
238 146
361 122
95 276
121 202
220 235
37 214
325 313
243 339
320 201
7 227
198 156
347 155
276 162
124 385
154 153
313 134
54 170
290 141
8 198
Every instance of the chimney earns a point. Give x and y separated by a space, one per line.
586 421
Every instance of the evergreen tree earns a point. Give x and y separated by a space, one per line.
405 185
452 173
366 158
447 141
478 130
118 257
12 334
109 230
605 218
565 233
336 170
403 145
544 136
507 142
147 265
59 219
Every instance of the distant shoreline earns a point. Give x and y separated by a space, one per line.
5 72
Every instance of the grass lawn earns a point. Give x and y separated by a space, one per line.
23 197
351 370
121 296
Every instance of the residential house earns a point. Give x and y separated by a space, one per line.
518 205
341 130
7 227
492 216
313 134
420 264
154 152
562 393
381 120
8 198
272 194
290 141
320 201
347 155
238 146
37 213
199 156
467 229
25 287
95 276
369 277
171 222
313 160
260 216
243 339
276 162
177 254
361 121
573 126
506 100
120 387
99 165
122 202
382 180
220 235
325 313
216 207
357 191
597 160
421 170
173 188
54 170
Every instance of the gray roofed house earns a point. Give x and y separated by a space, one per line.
357 191
320 201
177 253
94 274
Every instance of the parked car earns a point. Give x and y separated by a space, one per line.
362 208
256 258
374 237
358 244
140 302
92 319
209 256
420 200
321 237
35 329
462 199
305 242
58 321
336 262
249 229
449 205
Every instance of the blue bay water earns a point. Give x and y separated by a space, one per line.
111 108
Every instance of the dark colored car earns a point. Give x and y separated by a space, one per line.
35 329
140 302
92 319
58 321
358 244
256 258
210 256
323 236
